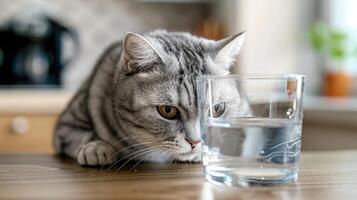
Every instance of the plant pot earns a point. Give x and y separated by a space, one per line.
337 84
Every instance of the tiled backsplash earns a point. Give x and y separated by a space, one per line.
99 23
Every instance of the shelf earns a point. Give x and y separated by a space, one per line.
318 103
327 112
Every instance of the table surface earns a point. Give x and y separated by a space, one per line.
324 175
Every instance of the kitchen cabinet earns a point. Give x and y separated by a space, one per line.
26 133
330 123
28 117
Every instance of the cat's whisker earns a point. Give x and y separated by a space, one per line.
123 149
166 154
137 155
132 154
175 154
170 156
116 162
134 167
170 153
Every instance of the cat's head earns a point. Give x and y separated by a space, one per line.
155 92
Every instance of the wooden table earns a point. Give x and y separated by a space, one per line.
324 175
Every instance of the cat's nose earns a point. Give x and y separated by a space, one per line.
193 143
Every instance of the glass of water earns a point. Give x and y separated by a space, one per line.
251 128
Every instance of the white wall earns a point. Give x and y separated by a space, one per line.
342 15
271 34
276 38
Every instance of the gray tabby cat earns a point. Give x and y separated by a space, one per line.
140 102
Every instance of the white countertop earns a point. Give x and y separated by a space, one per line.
338 104
38 101
326 111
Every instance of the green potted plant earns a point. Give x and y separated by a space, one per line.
335 46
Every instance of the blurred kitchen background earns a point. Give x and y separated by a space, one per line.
47 48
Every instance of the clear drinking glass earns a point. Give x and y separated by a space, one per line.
251 128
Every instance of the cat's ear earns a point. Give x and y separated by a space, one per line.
227 50
139 54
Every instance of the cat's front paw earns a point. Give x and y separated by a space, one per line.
96 153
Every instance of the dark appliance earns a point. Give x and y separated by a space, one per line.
32 51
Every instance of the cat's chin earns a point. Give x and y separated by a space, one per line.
196 159
192 157
189 157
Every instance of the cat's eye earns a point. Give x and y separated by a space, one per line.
217 110
168 112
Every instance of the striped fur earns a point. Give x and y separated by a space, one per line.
114 114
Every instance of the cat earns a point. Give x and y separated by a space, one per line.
140 101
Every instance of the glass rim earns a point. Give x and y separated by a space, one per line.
254 77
